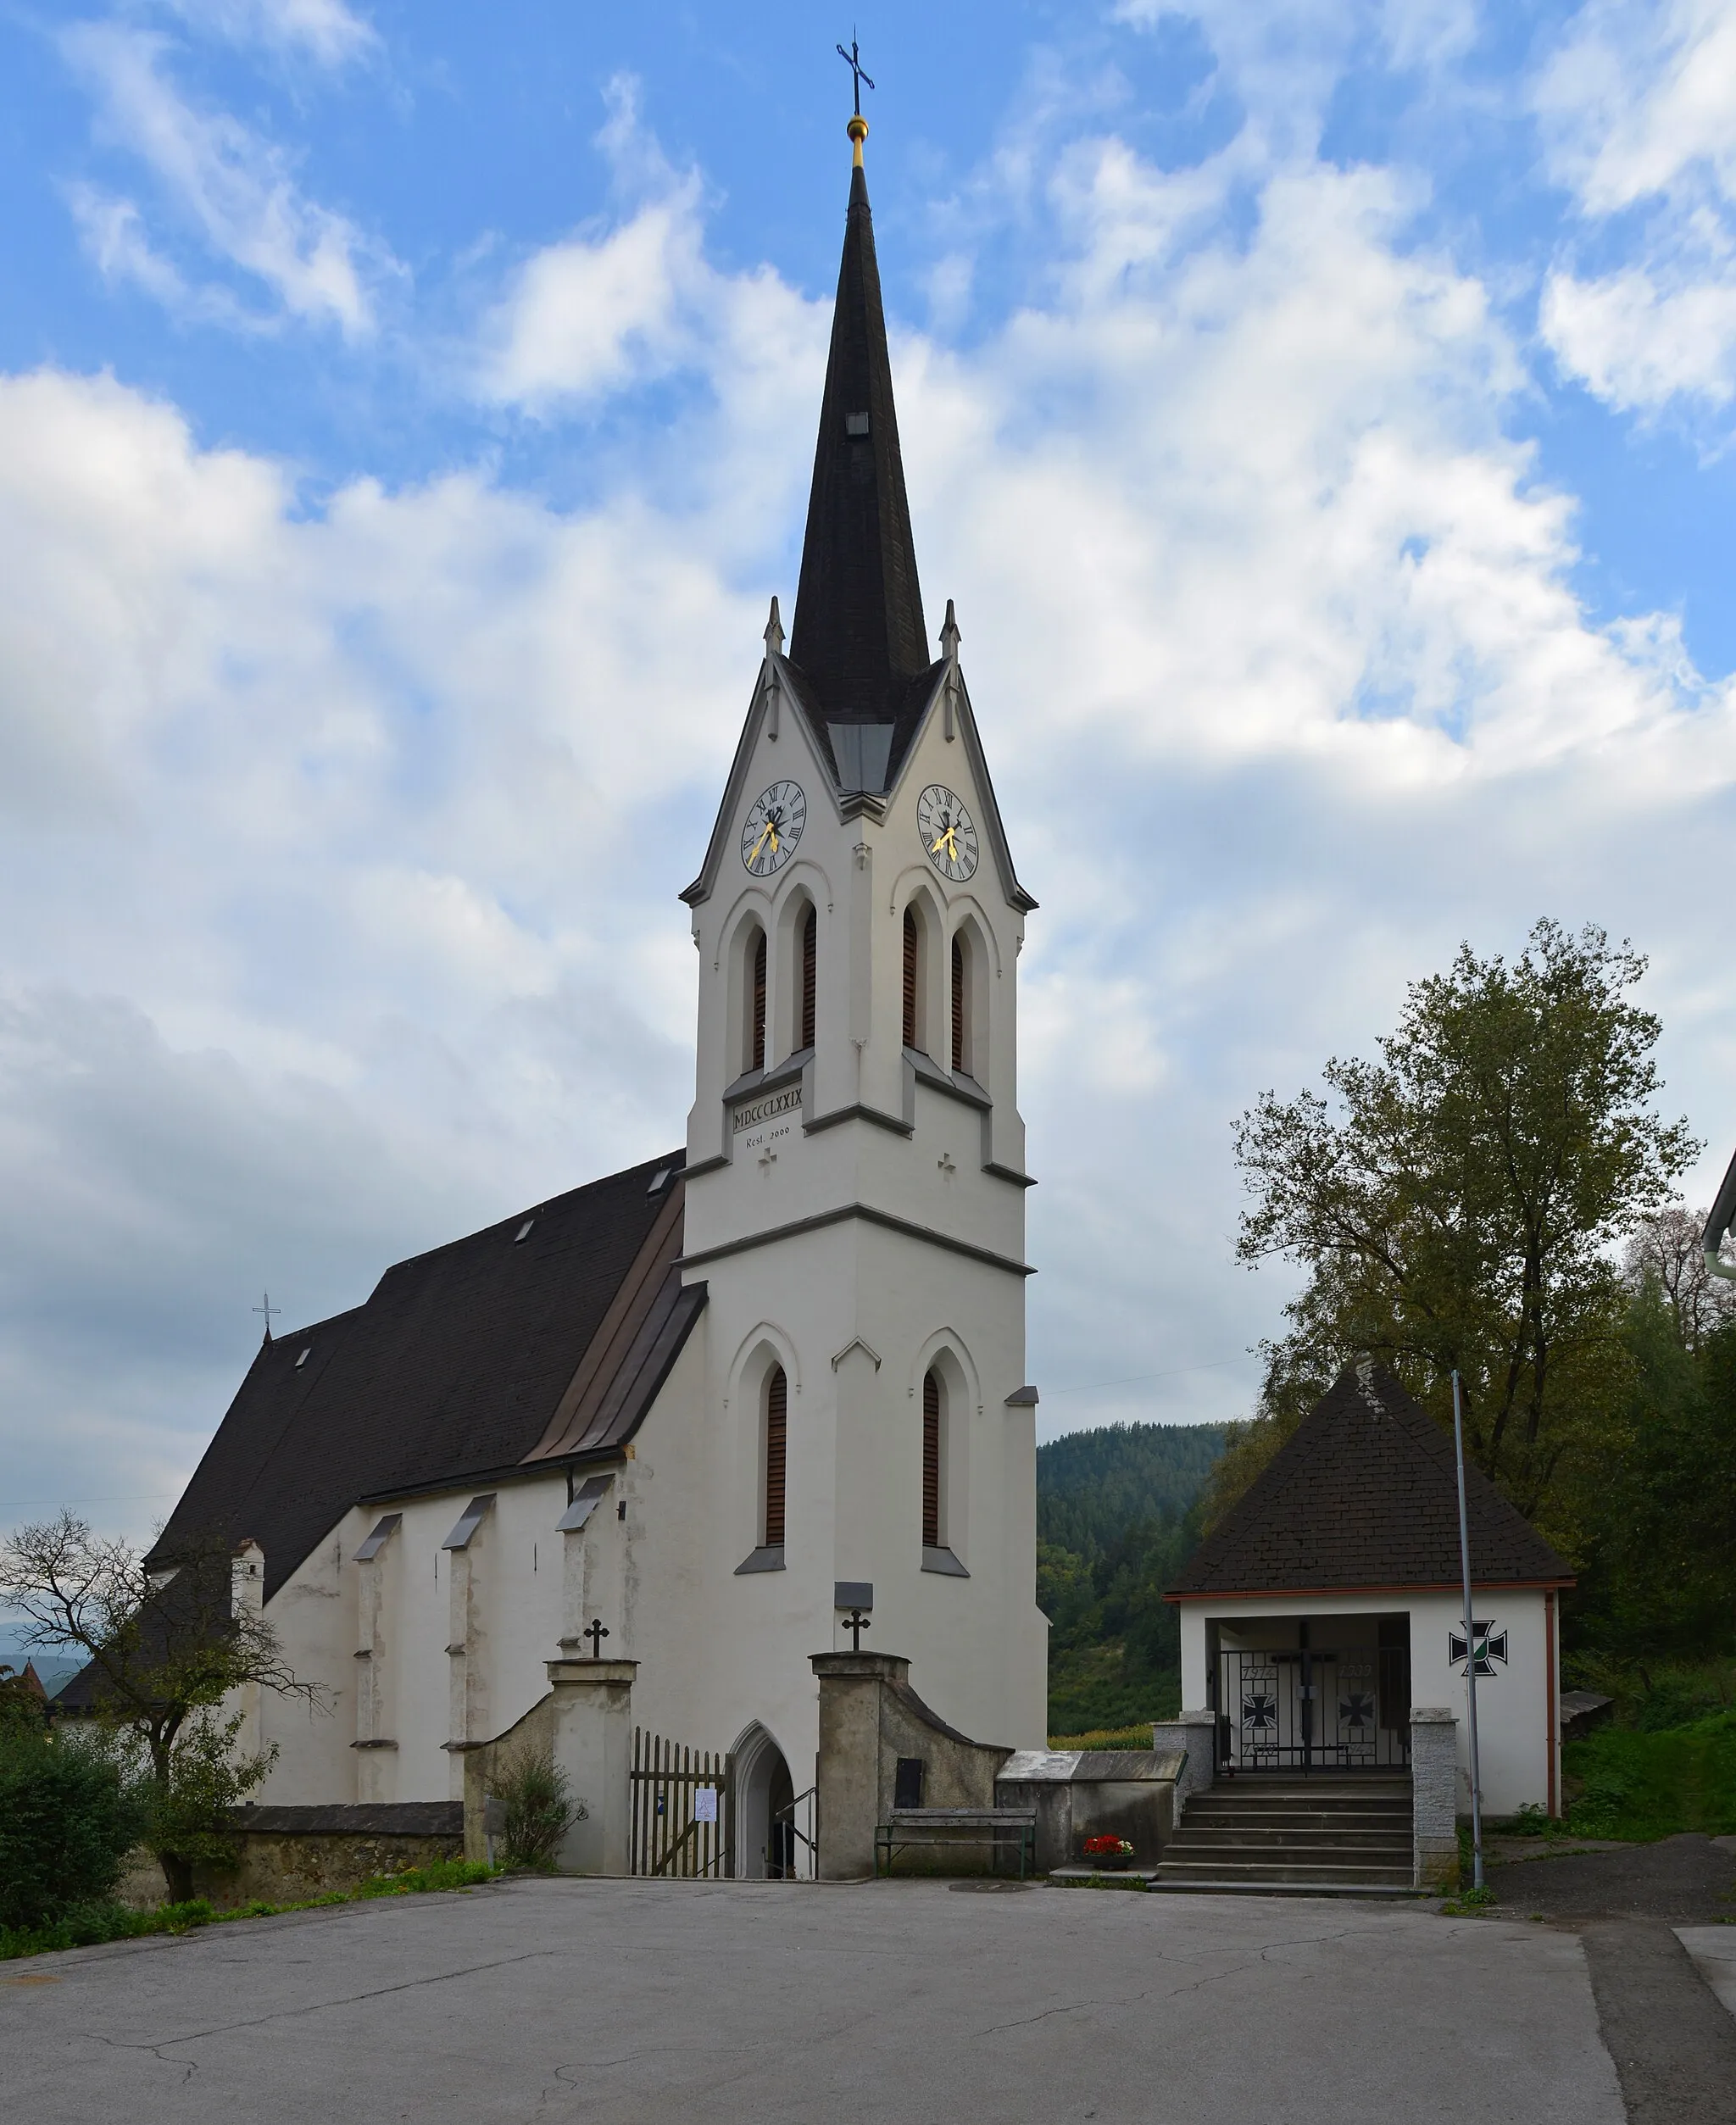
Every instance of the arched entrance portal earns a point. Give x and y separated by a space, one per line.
766 1839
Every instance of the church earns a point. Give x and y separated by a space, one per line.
698 1415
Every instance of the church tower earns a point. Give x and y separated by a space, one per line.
855 1171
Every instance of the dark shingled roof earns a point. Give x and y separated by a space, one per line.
859 638
465 1362
1364 1494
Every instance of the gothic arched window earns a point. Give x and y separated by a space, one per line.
756 1003
913 972
777 1404
933 1536
809 937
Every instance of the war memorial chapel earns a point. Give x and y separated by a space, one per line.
664 1447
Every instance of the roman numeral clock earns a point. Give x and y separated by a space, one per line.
773 829
948 833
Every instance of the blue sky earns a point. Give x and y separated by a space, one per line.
1321 413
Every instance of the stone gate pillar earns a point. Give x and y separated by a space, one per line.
1434 1797
591 1712
1196 1733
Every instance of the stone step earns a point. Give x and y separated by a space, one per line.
1260 1838
1219 1869
1265 1781
1217 1811
1383 1890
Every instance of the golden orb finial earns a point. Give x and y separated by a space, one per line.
858 130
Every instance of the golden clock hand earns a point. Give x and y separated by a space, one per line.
760 843
937 844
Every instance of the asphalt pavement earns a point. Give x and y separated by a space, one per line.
872 2003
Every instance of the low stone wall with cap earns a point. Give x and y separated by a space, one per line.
1080 1794
289 1855
1434 1797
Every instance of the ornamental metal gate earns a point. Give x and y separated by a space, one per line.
682 1809
1343 1708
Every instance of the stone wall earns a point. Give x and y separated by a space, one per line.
869 1718
289 1855
1434 1796
1127 1793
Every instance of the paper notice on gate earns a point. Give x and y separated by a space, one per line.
705 1804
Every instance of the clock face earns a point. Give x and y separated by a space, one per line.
774 828
948 833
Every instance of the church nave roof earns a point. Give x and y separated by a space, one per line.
543 1337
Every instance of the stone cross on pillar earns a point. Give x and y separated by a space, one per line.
596 1630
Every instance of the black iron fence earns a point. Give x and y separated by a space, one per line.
1343 1708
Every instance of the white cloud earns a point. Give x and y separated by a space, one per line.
1637 109
324 31
337 884
1638 102
223 182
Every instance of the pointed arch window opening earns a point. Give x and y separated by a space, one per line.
808 960
777 1403
756 1003
913 982
933 1523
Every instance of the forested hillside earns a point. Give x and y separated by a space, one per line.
1115 1517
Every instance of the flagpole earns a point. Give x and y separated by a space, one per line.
1469 1641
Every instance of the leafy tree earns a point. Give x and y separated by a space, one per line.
166 1648
68 1819
1457 1204
1659 1582
1666 1250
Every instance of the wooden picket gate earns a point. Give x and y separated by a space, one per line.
682 1809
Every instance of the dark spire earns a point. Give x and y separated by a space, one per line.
859 635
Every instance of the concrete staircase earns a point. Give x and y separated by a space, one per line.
1268 1833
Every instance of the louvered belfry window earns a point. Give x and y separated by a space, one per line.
810 954
757 1050
777 1404
958 1004
912 952
930 1461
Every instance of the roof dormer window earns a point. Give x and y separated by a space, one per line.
855 424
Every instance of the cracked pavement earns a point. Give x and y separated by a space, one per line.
615 2001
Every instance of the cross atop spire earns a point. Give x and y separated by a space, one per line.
853 59
858 635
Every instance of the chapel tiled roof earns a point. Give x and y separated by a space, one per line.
1364 1494
465 1362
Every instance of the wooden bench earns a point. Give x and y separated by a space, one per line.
915 1829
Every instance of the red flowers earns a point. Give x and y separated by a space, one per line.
1108 1848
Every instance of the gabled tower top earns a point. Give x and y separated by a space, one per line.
859 636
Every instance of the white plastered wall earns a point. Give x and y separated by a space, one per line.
1515 1721
858 1309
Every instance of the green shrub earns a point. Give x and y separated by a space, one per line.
67 1821
540 1809
437 1874
1644 1785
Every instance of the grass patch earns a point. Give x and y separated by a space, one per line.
1642 1786
1138 1737
93 1924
